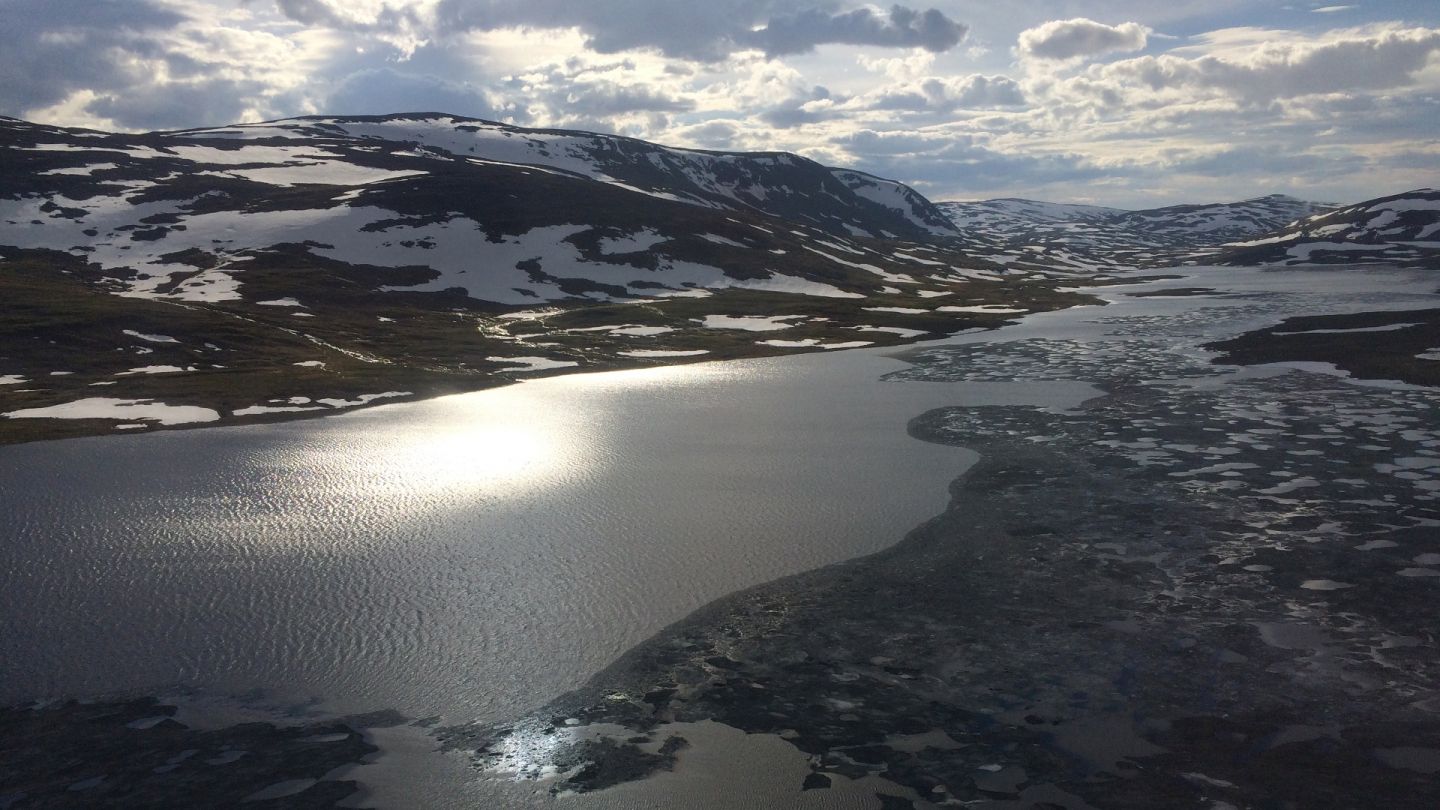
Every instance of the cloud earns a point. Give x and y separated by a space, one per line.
377 91
1080 37
177 105
716 134
901 28
52 48
946 94
952 163
1346 61
808 108
707 31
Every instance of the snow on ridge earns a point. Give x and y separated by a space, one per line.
893 195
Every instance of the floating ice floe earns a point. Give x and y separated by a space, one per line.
122 409
1324 585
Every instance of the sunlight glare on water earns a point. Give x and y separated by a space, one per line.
470 555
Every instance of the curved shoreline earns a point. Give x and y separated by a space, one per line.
1080 627
1068 631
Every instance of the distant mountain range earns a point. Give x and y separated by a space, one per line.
1403 229
1083 238
297 267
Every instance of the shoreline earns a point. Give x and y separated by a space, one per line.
1080 684
1079 627
1113 673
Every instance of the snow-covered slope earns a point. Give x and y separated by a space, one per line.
342 260
509 216
780 184
1086 238
1403 229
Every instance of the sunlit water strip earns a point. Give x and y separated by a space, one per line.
470 556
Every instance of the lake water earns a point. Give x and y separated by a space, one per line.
471 556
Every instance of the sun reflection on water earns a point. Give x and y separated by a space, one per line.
521 437
478 441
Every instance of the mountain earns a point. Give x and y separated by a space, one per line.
1402 229
1088 239
841 201
296 267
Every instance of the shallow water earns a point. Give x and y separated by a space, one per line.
470 556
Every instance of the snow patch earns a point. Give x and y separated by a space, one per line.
121 409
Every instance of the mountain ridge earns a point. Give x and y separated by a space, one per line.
294 268
304 266
1088 238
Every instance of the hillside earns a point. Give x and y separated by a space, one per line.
1403 229
297 267
1088 239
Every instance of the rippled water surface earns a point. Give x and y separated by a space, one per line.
469 556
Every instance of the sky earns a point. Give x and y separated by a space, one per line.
1131 103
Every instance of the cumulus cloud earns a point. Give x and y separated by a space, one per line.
808 108
901 28
1080 37
177 105
946 94
943 163
1347 61
51 48
604 98
378 91
712 30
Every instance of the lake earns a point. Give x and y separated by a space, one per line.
470 556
